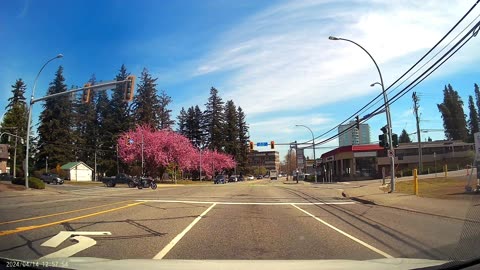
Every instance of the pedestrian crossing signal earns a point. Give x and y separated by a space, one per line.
251 146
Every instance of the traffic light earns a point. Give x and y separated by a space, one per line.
395 140
86 93
357 122
383 140
251 145
272 145
129 88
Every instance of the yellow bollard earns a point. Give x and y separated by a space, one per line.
415 182
445 169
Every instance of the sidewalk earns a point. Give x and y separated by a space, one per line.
373 192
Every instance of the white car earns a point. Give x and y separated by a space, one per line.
250 177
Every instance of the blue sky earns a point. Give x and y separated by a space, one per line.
273 58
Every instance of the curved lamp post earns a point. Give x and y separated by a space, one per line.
313 145
387 111
30 117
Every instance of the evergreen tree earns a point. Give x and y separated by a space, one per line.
164 114
146 104
214 121
473 119
105 146
88 138
182 122
404 137
119 108
231 131
15 122
477 96
55 136
194 130
243 140
453 115
198 128
18 94
429 139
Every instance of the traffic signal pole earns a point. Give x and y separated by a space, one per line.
97 87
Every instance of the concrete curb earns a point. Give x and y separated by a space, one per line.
372 202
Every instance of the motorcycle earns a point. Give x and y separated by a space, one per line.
144 182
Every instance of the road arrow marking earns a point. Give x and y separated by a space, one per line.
64 235
83 243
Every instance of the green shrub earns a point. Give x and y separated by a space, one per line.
33 182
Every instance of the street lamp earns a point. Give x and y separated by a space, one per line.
30 117
313 145
387 112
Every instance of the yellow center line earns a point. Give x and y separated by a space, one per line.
28 228
61 213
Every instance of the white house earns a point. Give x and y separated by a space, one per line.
78 171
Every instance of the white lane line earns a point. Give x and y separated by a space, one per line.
249 203
177 238
386 255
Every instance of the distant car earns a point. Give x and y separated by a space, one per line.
232 179
6 177
241 178
259 176
51 178
250 177
219 179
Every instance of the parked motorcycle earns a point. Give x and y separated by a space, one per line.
143 182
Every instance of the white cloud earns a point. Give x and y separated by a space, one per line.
281 59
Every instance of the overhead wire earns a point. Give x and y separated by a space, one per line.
404 74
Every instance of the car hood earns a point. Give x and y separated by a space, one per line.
99 263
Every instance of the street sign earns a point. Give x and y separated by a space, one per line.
391 153
262 144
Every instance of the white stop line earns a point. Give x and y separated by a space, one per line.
251 203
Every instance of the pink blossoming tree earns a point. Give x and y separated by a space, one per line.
164 148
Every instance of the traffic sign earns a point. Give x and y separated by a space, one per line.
262 144
391 153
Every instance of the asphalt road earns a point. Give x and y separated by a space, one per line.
249 220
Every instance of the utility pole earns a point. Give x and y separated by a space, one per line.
417 118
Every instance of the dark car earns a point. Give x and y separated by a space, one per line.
232 179
219 179
51 178
260 177
240 178
6 177
119 179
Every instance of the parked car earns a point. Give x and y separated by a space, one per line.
6 177
232 179
219 179
51 178
241 178
250 177
118 179
259 176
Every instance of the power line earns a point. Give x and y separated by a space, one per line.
404 74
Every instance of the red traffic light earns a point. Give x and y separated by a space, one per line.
272 145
